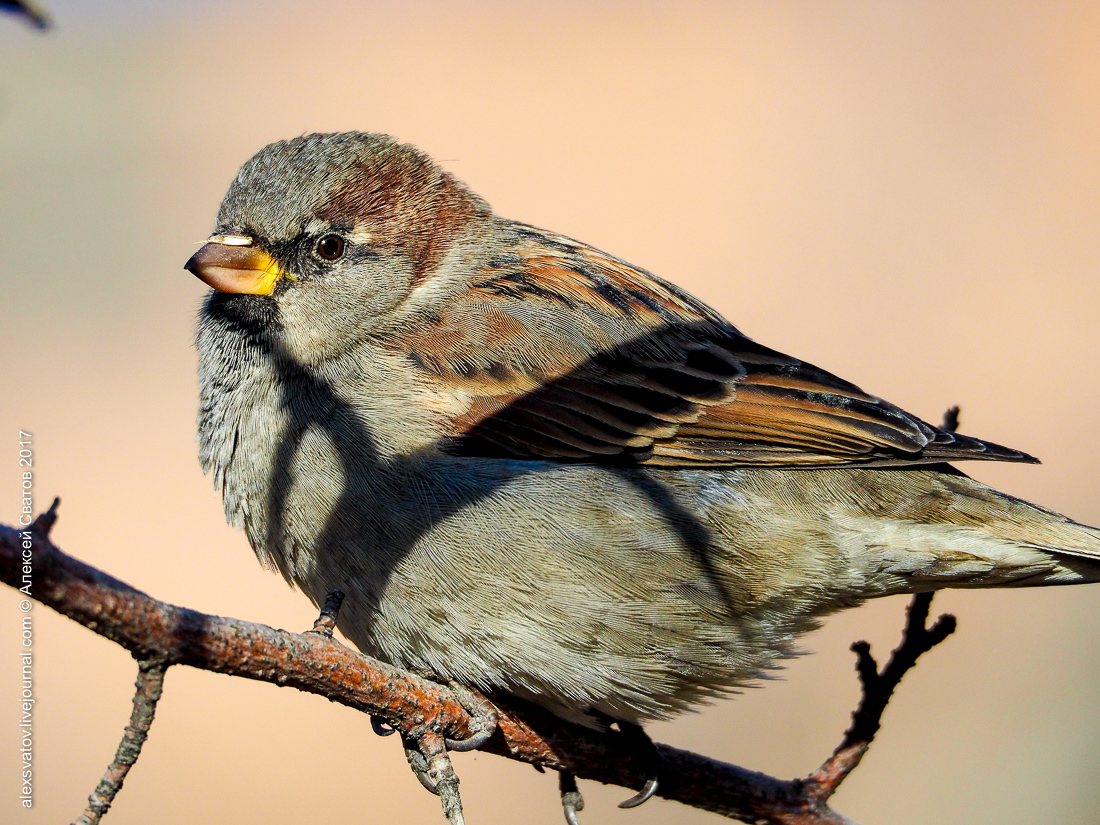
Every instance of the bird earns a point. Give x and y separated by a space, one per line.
539 471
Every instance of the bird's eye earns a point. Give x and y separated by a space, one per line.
330 247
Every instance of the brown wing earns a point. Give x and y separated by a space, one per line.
562 352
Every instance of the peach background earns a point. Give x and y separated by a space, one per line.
904 193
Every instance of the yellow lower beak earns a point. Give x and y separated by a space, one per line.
241 269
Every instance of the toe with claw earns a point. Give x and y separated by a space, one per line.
427 755
571 799
427 750
652 757
483 719
641 796
380 727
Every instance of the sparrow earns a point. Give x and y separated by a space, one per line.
539 471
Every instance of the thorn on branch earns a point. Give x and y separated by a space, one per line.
45 521
149 686
951 420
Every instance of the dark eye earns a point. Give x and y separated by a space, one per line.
330 247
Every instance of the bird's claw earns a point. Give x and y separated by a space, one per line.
653 764
571 799
427 755
427 750
380 727
483 719
420 767
641 796
470 743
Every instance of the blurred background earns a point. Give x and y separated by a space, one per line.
902 193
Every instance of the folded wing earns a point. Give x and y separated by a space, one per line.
562 352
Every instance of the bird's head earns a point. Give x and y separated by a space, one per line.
322 236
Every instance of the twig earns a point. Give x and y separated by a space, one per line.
43 525
314 663
150 684
878 687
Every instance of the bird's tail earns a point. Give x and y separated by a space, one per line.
965 534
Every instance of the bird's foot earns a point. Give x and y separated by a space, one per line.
326 622
652 761
426 751
323 626
571 799
483 718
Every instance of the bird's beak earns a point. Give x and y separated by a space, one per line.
230 263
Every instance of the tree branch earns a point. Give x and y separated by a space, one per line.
313 662
149 686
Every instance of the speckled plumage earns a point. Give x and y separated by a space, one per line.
536 469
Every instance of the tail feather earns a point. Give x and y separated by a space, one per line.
961 533
1029 525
